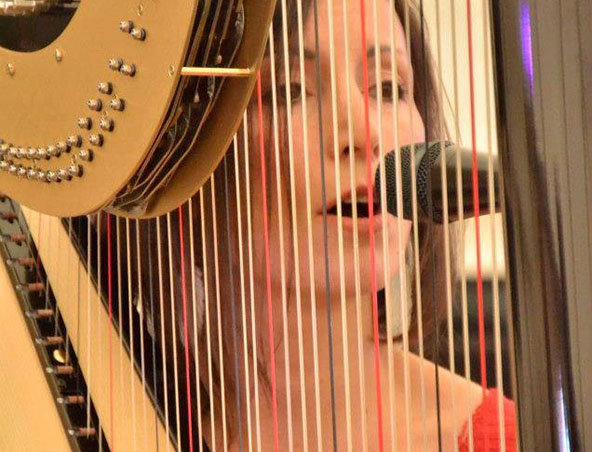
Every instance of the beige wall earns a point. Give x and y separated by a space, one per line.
485 124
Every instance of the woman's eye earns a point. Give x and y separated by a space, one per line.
295 92
387 91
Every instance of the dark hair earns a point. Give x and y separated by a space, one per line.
431 237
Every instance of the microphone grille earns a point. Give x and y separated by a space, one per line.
390 170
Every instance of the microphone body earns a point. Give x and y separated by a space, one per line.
430 189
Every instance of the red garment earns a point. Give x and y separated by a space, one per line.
486 434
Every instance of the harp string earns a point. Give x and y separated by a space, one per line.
311 266
68 269
185 326
476 203
242 292
196 324
278 179
385 229
449 306
173 330
154 336
207 320
436 353
233 305
325 231
218 311
98 305
110 337
267 269
369 183
417 269
162 331
337 170
141 309
495 283
88 316
294 222
358 296
120 313
131 329
461 222
251 279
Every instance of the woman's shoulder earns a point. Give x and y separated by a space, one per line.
485 426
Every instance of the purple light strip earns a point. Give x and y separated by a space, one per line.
526 37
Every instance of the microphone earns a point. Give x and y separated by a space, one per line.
428 171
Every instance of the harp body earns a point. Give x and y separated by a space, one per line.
138 389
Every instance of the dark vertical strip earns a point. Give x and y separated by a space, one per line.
426 119
154 334
325 232
237 385
185 329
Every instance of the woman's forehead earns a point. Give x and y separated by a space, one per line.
378 28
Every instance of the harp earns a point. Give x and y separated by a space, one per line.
168 204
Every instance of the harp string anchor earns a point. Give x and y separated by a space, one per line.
23 261
73 399
216 72
82 431
49 340
31 287
40 314
64 369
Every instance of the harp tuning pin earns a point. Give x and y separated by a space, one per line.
41 176
43 153
96 139
115 63
64 175
31 173
12 168
84 123
8 216
13 151
33 153
74 140
139 34
4 165
60 370
63 146
21 152
51 151
95 104
36 314
117 104
82 431
107 124
51 176
73 399
21 172
4 147
49 340
105 87
86 155
24 261
126 26
75 170
128 69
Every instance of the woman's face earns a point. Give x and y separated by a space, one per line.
337 148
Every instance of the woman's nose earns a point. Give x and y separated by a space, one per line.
361 118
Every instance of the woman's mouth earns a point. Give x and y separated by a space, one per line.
361 208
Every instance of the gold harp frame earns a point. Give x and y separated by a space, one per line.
45 93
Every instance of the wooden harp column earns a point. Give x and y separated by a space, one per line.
544 92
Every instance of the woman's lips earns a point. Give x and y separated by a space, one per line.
364 223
